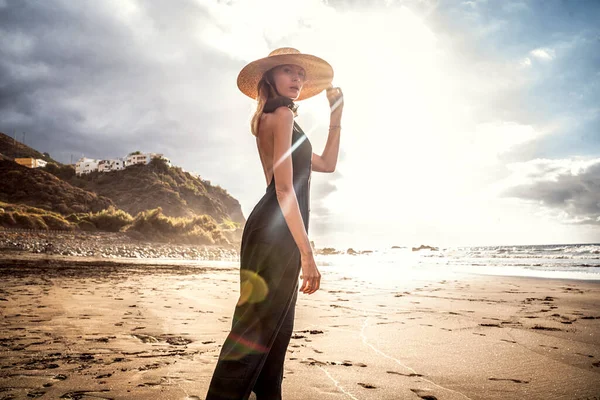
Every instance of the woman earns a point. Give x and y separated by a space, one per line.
275 245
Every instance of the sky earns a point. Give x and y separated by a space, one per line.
465 123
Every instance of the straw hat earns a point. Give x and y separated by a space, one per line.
319 73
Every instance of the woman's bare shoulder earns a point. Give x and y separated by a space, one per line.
281 117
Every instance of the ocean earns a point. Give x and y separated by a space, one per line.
564 261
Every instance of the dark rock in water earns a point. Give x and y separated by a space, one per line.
327 251
423 247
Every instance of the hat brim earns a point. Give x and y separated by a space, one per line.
319 74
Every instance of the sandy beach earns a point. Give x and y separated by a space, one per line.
116 329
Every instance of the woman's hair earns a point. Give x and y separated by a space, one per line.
266 90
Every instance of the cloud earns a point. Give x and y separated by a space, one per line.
569 189
526 62
545 54
108 80
473 3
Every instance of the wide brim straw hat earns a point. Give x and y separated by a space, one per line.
319 73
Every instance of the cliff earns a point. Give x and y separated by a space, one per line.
37 188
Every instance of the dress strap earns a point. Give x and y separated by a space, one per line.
275 102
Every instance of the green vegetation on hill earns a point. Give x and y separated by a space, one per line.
27 217
195 230
109 220
37 188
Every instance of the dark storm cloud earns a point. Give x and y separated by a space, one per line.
573 190
79 79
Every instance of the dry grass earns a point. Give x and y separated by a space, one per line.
153 224
27 217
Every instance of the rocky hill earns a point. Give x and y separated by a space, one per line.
179 194
37 188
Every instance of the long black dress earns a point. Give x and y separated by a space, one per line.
253 354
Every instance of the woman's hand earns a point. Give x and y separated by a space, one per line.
335 97
311 277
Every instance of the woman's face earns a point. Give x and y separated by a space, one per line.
289 79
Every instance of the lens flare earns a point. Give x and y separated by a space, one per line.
238 347
253 288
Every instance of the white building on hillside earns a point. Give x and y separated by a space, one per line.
86 165
144 158
136 158
115 164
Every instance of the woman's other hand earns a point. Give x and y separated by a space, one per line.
311 277
335 97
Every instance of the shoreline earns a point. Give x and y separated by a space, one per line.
16 256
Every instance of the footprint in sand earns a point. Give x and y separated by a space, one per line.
572 290
491 325
146 338
80 394
423 394
32 394
296 336
399 373
138 327
545 328
508 379
367 385
312 331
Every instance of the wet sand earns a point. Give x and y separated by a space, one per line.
98 329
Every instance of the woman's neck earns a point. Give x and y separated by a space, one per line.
275 102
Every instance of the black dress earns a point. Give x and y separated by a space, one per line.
253 354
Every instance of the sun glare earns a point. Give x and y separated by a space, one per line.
412 132
400 109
